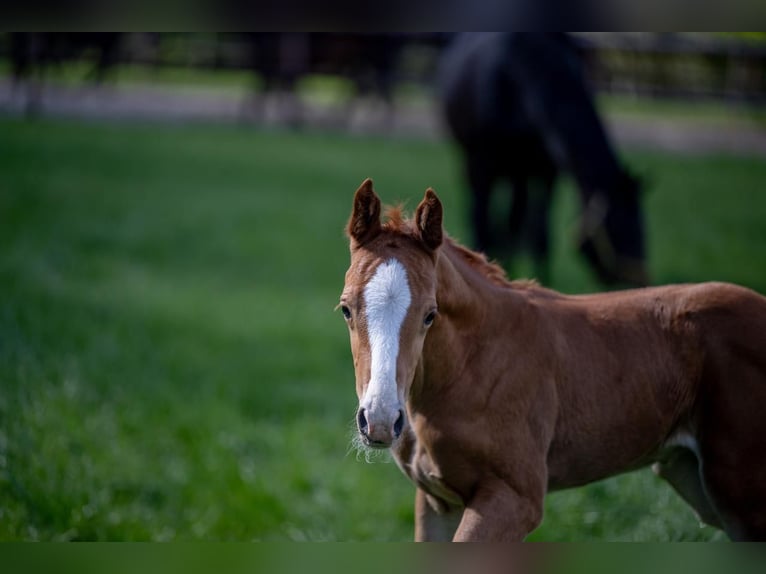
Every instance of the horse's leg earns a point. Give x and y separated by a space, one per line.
498 513
736 484
434 522
481 177
518 210
539 226
734 440
742 509
681 470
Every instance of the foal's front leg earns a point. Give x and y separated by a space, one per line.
432 525
497 513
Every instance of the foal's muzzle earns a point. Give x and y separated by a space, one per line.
379 432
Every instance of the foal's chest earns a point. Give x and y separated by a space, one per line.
415 462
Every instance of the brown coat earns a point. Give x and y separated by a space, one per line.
514 390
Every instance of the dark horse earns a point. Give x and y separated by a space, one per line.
519 107
369 61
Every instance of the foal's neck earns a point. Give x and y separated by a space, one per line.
470 300
468 286
458 287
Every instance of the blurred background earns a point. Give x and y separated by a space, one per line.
171 251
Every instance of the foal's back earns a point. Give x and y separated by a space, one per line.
695 336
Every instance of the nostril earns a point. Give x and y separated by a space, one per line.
361 422
399 424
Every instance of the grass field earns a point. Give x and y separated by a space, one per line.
170 363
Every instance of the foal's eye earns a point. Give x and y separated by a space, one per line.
346 312
429 318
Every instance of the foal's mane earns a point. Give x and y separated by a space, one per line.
490 270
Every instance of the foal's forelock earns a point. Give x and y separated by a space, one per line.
387 298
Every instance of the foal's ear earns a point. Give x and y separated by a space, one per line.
428 218
365 217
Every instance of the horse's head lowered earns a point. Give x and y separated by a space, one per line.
389 303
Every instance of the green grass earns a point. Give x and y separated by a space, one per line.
170 364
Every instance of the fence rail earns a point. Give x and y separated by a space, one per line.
698 66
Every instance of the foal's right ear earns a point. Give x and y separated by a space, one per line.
364 223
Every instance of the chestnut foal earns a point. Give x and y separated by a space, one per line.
491 392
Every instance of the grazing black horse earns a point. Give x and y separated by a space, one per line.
520 109
368 60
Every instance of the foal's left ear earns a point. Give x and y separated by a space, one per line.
428 218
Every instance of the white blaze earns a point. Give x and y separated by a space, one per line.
386 299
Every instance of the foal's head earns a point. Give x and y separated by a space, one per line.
389 303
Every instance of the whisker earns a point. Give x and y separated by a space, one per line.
362 451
